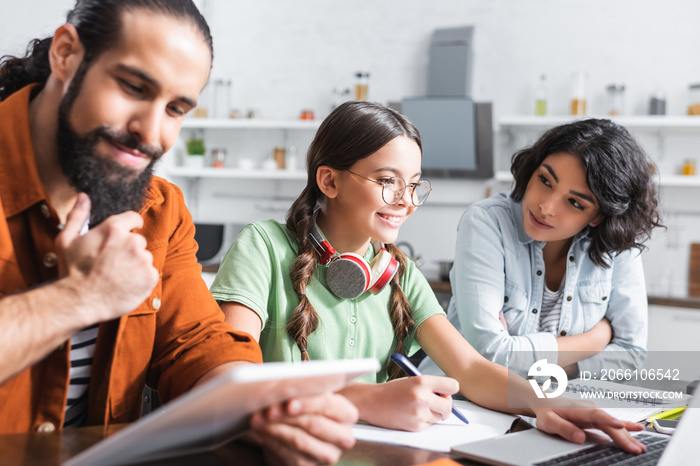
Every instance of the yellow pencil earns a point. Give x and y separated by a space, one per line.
667 414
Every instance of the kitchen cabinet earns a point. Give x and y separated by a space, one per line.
659 134
673 334
674 328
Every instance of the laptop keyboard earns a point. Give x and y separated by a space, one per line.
605 454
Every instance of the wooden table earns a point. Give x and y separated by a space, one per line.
51 449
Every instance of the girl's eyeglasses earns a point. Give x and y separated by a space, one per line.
394 188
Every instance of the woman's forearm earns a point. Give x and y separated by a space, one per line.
575 348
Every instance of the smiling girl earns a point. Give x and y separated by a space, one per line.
329 284
553 269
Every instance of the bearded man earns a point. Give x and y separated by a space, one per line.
100 290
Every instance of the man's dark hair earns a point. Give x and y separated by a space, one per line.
98 23
618 172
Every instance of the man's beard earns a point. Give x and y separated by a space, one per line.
112 187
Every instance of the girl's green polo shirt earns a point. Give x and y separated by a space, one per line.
255 273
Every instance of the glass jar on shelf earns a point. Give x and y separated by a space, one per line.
279 156
688 167
306 114
657 104
219 156
616 99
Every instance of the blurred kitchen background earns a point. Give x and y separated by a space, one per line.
280 67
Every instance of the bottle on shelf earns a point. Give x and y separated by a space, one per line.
578 98
291 158
541 95
694 104
222 98
362 85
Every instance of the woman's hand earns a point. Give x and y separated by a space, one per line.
411 404
305 431
569 420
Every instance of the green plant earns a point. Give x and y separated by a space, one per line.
195 147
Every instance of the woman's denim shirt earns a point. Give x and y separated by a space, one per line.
498 267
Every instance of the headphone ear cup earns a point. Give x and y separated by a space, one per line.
348 276
384 267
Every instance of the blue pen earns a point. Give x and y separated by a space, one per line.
403 362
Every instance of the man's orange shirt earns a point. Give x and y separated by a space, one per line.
173 338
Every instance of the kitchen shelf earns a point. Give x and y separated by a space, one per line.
678 181
650 122
660 124
237 173
503 176
248 123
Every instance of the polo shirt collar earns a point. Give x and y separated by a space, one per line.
368 255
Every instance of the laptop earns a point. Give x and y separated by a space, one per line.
214 413
536 448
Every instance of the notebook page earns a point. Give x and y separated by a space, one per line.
442 436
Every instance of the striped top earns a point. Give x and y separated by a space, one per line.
81 352
551 309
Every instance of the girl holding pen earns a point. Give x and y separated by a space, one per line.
329 284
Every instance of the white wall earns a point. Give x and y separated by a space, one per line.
284 56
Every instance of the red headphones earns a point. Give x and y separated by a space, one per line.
349 275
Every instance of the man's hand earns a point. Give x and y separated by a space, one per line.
568 422
306 431
109 267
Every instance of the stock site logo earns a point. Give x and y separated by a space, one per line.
542 369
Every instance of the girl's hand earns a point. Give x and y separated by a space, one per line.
411 404
568 422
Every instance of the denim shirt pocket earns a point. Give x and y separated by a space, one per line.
594 301
515 304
